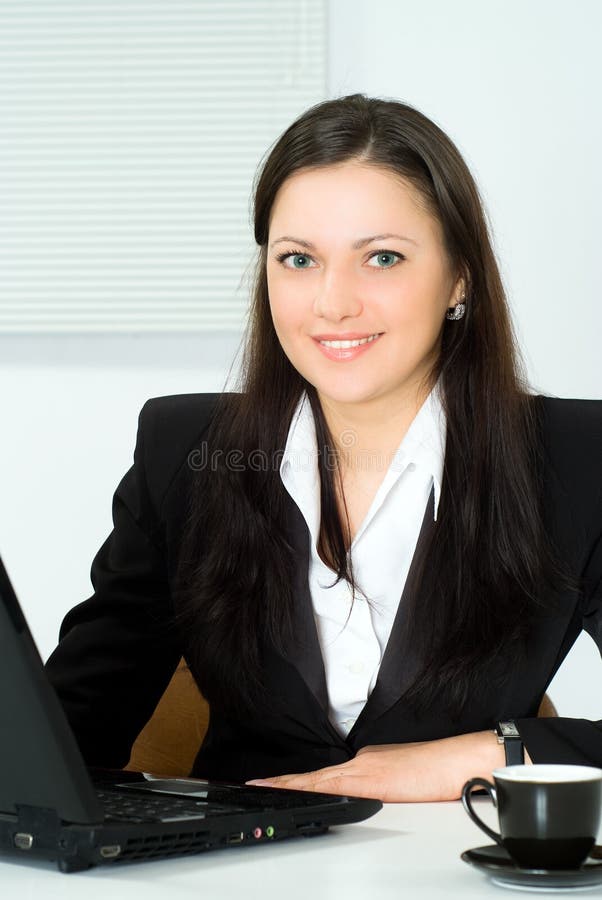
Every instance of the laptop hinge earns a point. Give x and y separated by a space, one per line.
36 827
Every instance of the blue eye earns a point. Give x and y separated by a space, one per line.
386 259
296 258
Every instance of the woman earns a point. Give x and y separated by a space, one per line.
381 446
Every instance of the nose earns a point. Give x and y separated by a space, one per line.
337 296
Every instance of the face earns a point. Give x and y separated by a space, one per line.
353 255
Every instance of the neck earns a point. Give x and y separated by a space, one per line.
363 431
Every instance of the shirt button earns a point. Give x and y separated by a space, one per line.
411 467
356 668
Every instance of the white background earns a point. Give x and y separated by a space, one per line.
516 85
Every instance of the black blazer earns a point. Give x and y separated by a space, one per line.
118 649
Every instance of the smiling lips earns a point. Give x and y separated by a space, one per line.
345 347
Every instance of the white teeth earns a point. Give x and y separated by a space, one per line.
344 345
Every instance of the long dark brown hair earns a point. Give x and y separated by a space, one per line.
487 555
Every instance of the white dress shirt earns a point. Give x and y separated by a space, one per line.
353 637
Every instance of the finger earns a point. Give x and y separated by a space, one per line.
340 783
327 781
301 777
294 782
306 781
278 781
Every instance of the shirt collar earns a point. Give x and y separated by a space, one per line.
300 452
423 445
424 442
299 464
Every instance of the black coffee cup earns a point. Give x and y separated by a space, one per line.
549 815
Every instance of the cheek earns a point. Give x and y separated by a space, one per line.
420 304
288 310
414 321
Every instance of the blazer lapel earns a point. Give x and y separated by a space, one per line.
396 670
305 653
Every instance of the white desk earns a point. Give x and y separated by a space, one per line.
404 851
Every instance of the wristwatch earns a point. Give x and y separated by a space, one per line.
508 735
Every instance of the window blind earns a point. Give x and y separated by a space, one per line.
130 134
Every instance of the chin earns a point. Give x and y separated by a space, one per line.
346 395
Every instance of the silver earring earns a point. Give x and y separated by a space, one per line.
456 312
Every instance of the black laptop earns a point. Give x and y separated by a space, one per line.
52 807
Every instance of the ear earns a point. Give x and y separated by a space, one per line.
461 288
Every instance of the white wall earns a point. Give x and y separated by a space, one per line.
70 407
517 87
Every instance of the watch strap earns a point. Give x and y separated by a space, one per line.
509 735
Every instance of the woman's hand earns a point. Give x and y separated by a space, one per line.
402 773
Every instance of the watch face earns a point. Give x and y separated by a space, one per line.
509 730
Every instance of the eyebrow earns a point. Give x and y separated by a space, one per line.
356 245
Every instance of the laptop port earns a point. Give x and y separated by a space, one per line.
23 841
110 851
236 837
309 829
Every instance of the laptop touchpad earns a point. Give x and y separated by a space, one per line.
180 786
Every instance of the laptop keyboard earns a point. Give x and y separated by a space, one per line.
127 806
133 806
264 798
